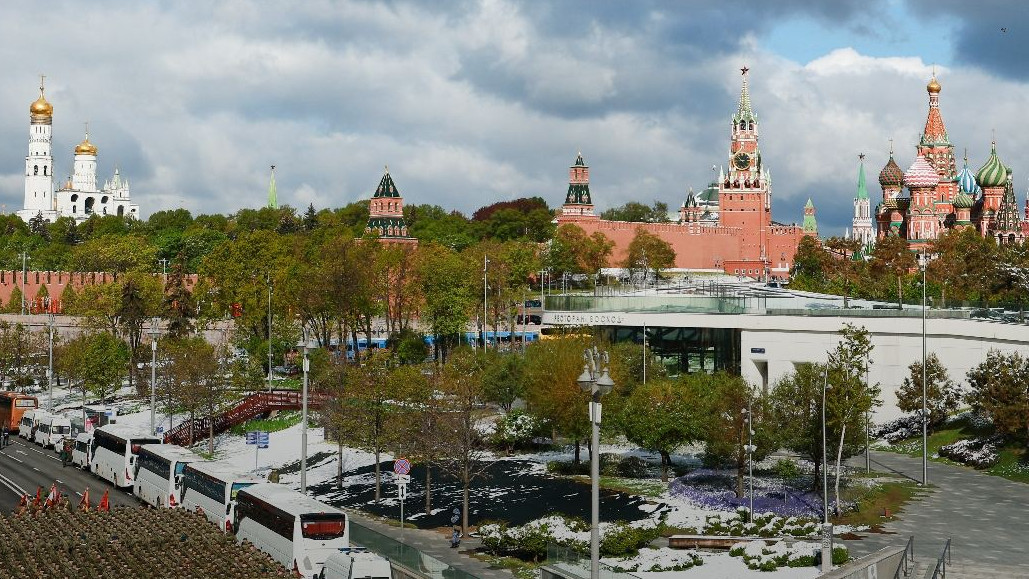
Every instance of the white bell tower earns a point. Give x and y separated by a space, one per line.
39 164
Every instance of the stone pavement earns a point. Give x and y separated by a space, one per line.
436 545
986 517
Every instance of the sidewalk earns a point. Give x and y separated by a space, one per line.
436 545
986 516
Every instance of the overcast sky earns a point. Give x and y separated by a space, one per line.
474 102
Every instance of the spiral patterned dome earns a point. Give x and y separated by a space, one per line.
993 173
891 175
921 174
963 201
966 181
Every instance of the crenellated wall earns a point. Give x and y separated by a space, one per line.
57 281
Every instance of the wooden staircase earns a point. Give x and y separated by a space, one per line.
253 406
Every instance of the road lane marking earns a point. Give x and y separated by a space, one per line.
36 469
18 459
12 485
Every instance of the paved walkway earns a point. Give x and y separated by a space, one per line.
986 516
436 545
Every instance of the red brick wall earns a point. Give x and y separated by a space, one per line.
56 281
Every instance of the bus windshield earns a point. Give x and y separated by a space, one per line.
323 526
179 467
236 487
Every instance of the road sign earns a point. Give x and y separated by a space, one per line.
401 466
403 479
258 437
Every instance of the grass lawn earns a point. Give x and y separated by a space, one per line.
1012 463
634 486
281 421
873 502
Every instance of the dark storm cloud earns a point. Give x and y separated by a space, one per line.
989 34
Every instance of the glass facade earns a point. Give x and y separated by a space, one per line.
684 350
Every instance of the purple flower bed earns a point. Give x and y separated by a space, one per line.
715 490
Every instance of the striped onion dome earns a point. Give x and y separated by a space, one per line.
966 181
963 201
993 173
890 203
891 175
921 174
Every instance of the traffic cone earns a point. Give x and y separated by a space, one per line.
104 502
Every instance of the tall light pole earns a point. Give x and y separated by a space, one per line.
305 343
826 525
155 331
50 367
24 273
596 380
748 414
485 262
923 261
269 280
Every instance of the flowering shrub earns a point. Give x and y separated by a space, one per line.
714 490
900 429
977 452
764 525
530 540
514 429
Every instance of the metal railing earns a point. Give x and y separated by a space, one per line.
413 560
907 563
942 562
574 564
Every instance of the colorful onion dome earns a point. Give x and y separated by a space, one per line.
921 174
963 201
966 180
891 175
890 203
993 173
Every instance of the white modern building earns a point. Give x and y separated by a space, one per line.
764 337
79 197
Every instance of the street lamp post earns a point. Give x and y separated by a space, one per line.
154 333
596 380
50 367
24 273
748 414
269 279
305 344
826 525
922 263
485 262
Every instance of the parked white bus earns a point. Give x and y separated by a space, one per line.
211 488
80 453
51 430
113 452
294 529
159 470
29 421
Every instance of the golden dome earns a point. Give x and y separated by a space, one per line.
85 148
41 108
933 86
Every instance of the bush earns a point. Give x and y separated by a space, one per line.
975 452
568 468
633 467
626 540
840 555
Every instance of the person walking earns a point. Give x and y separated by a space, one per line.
65 452
5 437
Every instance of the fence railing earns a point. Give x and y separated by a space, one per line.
907 563
942 562
404 555
573 563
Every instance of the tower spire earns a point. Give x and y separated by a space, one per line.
862 189
273 199
744 112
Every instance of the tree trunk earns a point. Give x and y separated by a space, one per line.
666 460
900 295
818 470
577 460
378 475
428 489
210 430
192 424
339 463
839 459
466 479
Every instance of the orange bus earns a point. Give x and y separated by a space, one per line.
12 406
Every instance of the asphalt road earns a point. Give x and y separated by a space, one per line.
25 466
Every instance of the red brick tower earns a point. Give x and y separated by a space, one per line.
578 204
744 198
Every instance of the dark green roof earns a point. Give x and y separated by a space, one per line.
578 194
386 187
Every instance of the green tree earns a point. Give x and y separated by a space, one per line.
636 212
999 388
102 363
727 409
443 276
942 395
198 384
662 416
891 258
552 368
648 253
178 303
796 404
114 254
503 379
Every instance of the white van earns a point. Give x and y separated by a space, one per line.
52 429
29 422
113 452
80 454
356 563
159 469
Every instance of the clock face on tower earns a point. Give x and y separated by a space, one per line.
741 160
